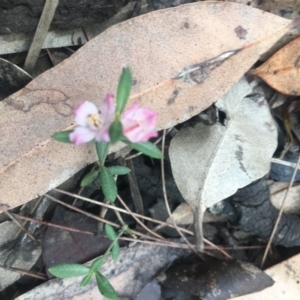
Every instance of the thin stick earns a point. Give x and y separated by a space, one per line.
143 217
40 34
138 220
284 163
96 217
173 245
117 213
134 188
50 56
119 216
22 227
103 211
25 272
53 225
184 246
280 213
82 187
85 34
166 198
76 198
121 210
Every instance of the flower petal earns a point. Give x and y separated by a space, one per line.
139 124
82 111
103 135
138 134
82 135
130 112
108 109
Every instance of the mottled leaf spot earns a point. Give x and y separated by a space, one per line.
240 32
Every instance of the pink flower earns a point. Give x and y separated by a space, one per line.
138 124
93 124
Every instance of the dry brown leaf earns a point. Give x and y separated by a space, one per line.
286 287
184 215
281 71
292 203
166 50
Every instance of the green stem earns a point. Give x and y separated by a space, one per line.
103 257
105 153
124 228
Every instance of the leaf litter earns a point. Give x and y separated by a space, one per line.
49 96
199 72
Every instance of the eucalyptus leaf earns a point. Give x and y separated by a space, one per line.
86 280
108 185
115 131
62 136
146 148
210 163
69 270
89 178
110 232
115 251
118 170
105 288
123 92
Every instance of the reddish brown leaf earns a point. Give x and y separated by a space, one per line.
281 71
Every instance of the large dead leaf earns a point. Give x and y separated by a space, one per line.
286 287
167 50
281 71
215 279
210 163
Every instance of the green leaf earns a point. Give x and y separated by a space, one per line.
62 136
86 280
105 288
108 185
102 148
89 178
146 148
118 170
115 131
110 232
97 264
123 92
115 251
69 270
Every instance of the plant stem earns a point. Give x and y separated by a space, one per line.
123 229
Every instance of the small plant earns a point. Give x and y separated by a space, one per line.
74 270
111 124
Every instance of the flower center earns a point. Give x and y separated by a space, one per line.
94 120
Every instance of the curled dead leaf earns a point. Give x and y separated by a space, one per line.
281 71
184 215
